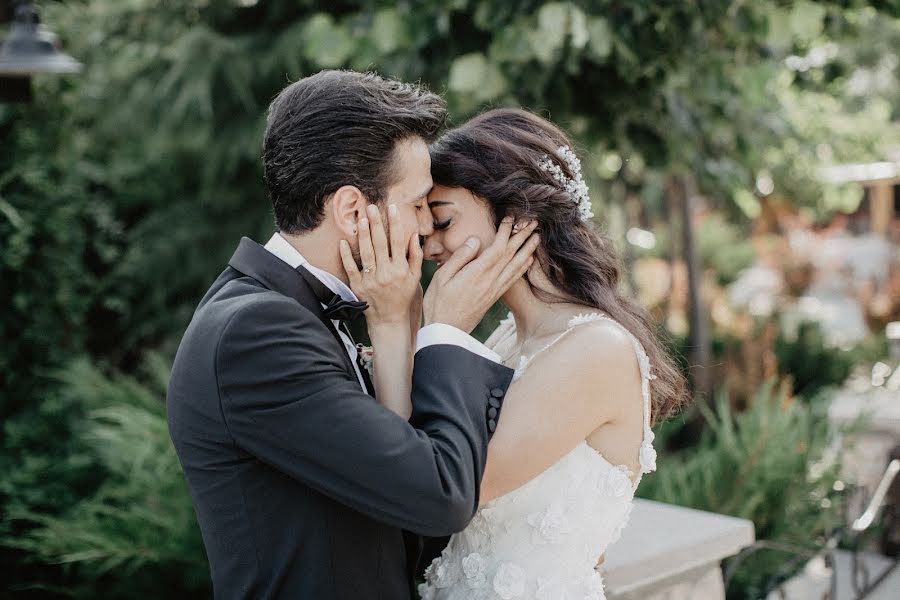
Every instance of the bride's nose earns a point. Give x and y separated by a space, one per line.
432 248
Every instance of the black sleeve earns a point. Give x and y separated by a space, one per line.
291 404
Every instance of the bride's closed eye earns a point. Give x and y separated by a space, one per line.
440 226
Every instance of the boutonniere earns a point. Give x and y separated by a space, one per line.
366 355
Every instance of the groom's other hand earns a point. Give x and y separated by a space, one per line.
465 287
392 268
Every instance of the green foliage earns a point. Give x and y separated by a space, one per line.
724 248
771 464
115 513
814 364
123 190
45 285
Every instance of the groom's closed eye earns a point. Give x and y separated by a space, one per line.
421 199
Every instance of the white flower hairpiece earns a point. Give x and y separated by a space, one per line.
575 187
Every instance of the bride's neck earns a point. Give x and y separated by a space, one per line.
533 315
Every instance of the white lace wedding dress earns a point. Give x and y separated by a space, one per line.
542 540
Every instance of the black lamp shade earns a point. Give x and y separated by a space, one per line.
31 49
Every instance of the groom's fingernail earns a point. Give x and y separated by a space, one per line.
372 210
472 243
392 210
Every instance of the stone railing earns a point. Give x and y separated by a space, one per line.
874 414
673 553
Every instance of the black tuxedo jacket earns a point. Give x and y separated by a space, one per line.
304 486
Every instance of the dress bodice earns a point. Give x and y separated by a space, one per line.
542 540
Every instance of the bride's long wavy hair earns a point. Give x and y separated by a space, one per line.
498 156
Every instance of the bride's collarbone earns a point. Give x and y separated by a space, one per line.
531 348
549 333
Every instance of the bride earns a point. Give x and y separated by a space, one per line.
590 379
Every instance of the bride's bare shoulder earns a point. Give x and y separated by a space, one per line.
596 360
597 344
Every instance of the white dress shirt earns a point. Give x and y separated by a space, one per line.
436 333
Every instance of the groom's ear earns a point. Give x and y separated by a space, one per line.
348 205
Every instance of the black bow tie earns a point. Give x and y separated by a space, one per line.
336 308
344 310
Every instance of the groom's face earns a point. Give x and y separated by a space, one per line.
412 171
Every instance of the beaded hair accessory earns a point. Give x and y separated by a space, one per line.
575 187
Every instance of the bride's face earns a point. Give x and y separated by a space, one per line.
458 215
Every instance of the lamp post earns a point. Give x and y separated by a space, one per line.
29 50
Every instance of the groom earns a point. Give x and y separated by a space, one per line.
304 486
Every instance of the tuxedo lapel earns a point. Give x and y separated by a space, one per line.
255 261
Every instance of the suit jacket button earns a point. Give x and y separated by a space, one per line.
492 425
493 402
492 412
497 393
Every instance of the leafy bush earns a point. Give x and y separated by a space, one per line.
104 497
771 464
724 248
811 363
45 285
814 365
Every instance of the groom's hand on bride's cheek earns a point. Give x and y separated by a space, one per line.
465 287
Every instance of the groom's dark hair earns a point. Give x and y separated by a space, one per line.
339 128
